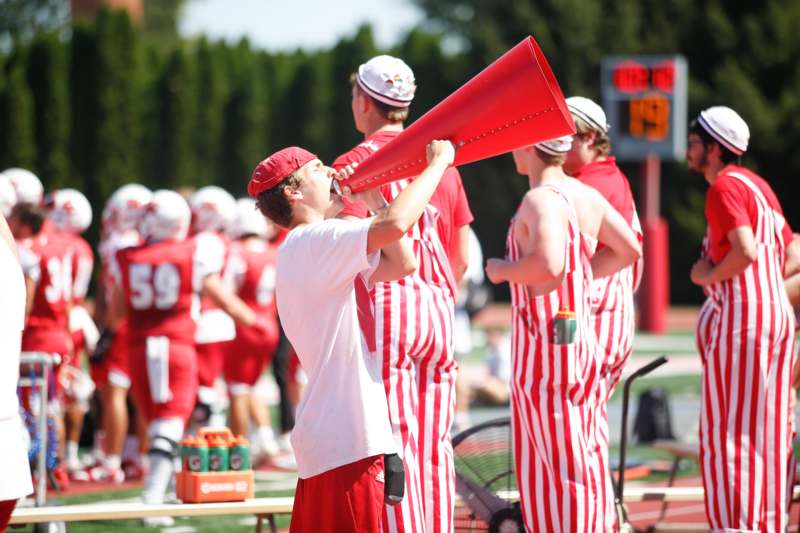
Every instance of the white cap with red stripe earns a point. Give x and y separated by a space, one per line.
388 80
557 146
588 111
726 127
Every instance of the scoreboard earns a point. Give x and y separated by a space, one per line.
644 98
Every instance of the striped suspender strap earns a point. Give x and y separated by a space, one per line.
768 209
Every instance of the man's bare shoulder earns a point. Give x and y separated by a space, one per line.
585 194
537 202
537 198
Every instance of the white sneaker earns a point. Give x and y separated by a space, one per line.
285 461
285 442
158 521
73 464
106 473
269 447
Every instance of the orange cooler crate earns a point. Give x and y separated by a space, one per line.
205 487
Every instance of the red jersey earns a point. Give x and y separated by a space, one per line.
606 177
82 266
449 198
48 262
252 268
162 282
108 248
731 204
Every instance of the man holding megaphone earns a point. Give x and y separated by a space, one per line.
325 268
415 315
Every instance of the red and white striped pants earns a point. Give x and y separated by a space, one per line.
414 325
745 430
554 401
614 322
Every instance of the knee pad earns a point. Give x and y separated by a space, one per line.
201 414
160 445
165 436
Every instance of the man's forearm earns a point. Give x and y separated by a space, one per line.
459 253
792 285
531 269
607 262
792 264
228 302
408 206
734 263
397 261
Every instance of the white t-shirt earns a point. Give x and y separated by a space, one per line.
343 416
16 479
214 324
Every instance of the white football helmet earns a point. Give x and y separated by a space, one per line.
250 221
125 207
167 216
213 209
28 187
8 195
69 210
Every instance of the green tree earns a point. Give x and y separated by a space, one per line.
280 70
436 74
309 98
173 159
47 76
17 144
207 131
161 20
346 56
740 54
116 134
82 104
243 133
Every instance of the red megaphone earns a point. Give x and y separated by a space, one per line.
514 102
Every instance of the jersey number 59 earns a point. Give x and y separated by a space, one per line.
159 285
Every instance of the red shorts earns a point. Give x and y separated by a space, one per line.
78 342
50 340
293 368
164 376
46 339
116 367
210 357
348 499
6 510
253 352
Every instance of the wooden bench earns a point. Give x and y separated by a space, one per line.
682 450
647 493
262 508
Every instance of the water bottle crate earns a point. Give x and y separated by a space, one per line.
205 487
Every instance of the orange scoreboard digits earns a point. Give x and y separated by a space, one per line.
645 100
649 117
